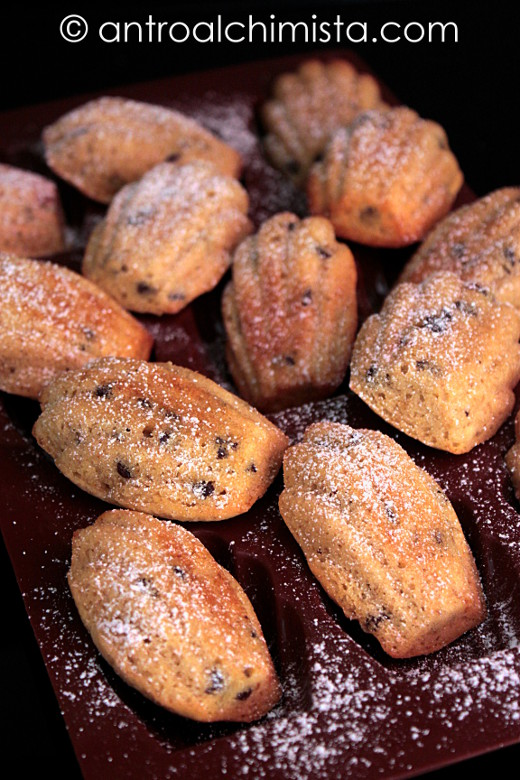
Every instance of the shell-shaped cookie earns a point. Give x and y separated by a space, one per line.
386 179
52 319
440 362
479 242
308 105
172 623
168 238
31 217
111 141
382 538
290 312
158 438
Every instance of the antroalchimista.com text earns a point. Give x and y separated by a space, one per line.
75 28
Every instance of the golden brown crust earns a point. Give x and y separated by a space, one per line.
31 217
440 362
382 538
160 439
479 242
386 179
307 106
171 621
111 141
168 238
290 312
52 320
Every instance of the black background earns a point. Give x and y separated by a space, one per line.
470 87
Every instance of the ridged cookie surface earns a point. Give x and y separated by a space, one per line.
52 319
168 238
31 217
308 105
382 538
159 439
440 362
479 243
386 179
111 141
171 621
290 312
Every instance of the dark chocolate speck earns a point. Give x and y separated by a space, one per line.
123 470
216 681
307 298
103 391
245 694
203 489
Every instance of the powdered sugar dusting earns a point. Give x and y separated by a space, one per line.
346 709
341 707
308 105
480 242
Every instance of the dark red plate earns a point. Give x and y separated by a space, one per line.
347 709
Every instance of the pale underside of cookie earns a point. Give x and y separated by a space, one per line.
479 242
386 179
382 538
160 439
306 108
168 238
111 141
290 312
31 216
52 320
171 621
440 362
